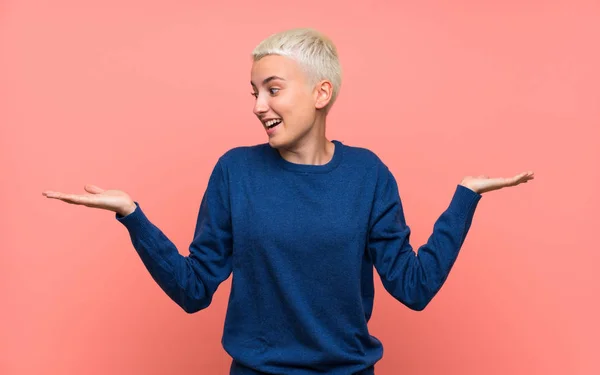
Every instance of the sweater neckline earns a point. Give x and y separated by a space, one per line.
309 168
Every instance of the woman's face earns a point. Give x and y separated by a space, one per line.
283 93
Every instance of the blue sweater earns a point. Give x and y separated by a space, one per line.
301 242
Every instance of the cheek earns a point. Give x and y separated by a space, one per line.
296 110
302 105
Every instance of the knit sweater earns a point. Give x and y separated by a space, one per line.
301 242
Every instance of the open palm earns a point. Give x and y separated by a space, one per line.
112 200
482 184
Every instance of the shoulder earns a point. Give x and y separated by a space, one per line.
373 167
364 157
241 155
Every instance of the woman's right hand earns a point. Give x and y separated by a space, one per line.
113 200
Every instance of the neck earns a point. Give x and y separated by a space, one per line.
312 149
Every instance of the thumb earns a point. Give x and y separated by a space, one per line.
93 189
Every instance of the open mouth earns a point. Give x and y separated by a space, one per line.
272 123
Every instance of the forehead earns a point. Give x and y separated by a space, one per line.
275 65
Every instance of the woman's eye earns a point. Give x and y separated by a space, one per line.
272 91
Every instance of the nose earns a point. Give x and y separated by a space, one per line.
260 106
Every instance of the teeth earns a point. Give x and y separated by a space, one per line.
272 122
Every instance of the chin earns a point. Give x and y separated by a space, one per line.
275 143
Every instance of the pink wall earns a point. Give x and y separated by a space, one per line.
144 96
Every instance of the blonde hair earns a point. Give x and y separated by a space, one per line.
315 53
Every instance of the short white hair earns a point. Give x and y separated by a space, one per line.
315 53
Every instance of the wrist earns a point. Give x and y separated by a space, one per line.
469 187
128 209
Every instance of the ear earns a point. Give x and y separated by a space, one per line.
323 93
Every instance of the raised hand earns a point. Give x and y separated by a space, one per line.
483 184
112 200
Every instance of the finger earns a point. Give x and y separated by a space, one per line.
521 178
71 198
50 194
528 175
498 182
93 189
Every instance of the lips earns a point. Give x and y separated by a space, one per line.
273 127
272 122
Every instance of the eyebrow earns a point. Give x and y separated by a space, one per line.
267 80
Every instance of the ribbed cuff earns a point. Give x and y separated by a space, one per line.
464 201
135 220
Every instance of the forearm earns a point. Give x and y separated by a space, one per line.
414 279
172 271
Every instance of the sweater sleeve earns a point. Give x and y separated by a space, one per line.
415 278
190 281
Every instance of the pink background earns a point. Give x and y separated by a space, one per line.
144 96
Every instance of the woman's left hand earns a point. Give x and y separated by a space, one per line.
483 184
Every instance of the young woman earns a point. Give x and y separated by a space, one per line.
299 222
